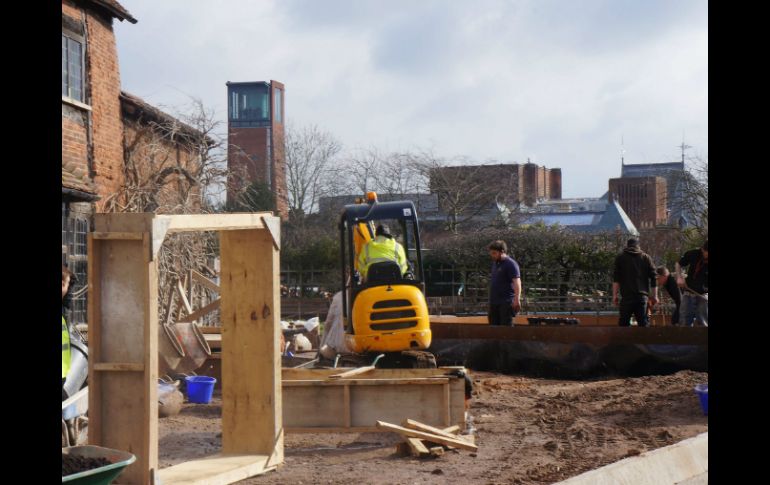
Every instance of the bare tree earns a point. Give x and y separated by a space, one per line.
363 167
463 188
310 170
399 173
173 165
694 200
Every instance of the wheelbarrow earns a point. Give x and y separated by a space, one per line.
103 475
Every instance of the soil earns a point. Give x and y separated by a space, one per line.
75 464
529 431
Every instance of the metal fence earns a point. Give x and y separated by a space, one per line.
453 290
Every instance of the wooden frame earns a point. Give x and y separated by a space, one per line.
315 403
123 343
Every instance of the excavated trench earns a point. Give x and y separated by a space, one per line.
569 361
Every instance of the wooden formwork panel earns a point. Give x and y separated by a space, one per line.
123 343
314 403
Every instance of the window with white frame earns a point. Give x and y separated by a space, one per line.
72 68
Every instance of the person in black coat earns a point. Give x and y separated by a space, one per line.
666 280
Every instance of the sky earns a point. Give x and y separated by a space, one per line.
558 82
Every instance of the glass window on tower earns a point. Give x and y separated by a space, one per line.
278 106
250 102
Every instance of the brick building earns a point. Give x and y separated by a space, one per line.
652 194
255 139
512 184
92 131
161 161
103 129
644 199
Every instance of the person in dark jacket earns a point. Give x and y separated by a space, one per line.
666 280
505 286
695 288
635 277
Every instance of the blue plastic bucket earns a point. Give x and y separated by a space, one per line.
200 388
702 390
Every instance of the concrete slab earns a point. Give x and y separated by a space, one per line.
685 462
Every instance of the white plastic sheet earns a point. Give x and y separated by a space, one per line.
334 333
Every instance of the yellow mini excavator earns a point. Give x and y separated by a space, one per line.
386 314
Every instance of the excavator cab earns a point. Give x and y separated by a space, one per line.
386 311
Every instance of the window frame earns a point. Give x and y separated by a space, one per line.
75 229
72 37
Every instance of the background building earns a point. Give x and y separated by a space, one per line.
255 138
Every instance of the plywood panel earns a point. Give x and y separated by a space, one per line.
305 407
320 405
366 404
120 313
122 294
215 470
250 312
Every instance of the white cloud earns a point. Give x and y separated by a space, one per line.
556 81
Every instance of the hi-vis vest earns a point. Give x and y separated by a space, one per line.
381 249
65 348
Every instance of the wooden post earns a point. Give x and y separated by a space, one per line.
122 323
251 366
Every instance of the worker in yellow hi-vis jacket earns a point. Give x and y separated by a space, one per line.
382 248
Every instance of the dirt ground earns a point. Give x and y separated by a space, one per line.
529 431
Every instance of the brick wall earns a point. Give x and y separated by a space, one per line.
102 88
74 144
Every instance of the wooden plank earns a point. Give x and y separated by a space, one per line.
94 337
402 449
170 305
332 429
351 373
316 403
73 398
150 358
412 424
452 429
216 470
122 366
214 341
118 235
436 451
202 311
346 406
457 443
182 295
273 225
251 408
575 334
417 448
203 281
368 382
290 374
119 402
210 329
447 405
368 404
190 287
146 222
